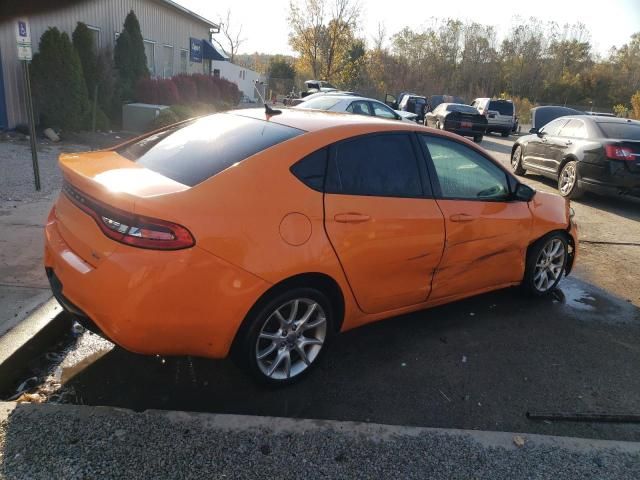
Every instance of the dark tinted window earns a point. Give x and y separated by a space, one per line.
379 165
311 169
192 152
464 173
503 108
622 131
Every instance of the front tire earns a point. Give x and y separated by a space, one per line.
546 261
516 161
568 181
505 133
477 138
286 336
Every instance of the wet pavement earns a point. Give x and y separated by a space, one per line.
475 364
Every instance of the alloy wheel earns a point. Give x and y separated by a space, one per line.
567 178
549 265
291 339
515 158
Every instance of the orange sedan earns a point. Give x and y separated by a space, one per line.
262 234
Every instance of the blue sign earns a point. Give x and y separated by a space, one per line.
22 28
195 50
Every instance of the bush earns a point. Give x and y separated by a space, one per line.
523 108
83 43
166 117
58 84
167 92
108 88
187 89
129 56
157 91
621 110
635 104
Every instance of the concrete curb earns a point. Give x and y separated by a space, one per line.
372 431
27 340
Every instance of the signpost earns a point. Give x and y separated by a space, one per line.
23 40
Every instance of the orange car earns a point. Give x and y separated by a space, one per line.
263 234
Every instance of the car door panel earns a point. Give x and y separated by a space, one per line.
486 232
386 231
389 247
485 249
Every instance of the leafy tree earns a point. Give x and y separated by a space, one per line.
635 104
129 56
280 68
58 84
83 43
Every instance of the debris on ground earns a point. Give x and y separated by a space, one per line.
31 398
518 441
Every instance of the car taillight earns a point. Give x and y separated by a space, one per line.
131 229
616 152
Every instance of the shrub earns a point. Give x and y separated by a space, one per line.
167 92
147 91
621 110
83 43
108 88
58 84
187 89
635 104
129 56
164 118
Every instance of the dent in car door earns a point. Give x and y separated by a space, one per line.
387 235
486 234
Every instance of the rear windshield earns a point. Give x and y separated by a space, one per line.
324 102
503 108
622 131
191 152
461 108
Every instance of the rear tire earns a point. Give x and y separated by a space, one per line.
477 138
568 181
516 161
285 336
546 262
505 133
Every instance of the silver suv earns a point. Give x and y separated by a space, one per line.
500 114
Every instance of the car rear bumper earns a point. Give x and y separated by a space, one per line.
184 302
465 132
625 184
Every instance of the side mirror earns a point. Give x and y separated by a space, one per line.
541 133
524 192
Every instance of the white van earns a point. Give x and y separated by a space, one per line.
500 114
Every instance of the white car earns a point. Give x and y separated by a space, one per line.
357 105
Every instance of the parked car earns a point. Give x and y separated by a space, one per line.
355 104
434 100
583 153
394 101
501 115
540 116
457 118
261 234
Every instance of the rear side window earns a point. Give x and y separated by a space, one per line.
375 165
620 131
503 108
311 169
575 129
553 128
192 152
326 102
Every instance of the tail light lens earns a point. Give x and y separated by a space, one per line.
131 229
617 152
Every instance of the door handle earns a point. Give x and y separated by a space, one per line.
351 218
462 217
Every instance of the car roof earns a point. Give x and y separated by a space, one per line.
313 120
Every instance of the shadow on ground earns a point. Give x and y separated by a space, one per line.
477 364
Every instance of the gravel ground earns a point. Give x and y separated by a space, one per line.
49 441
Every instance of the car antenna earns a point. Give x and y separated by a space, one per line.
267 109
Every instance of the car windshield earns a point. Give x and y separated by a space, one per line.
623 131
191 152
502 107
325 102
456 107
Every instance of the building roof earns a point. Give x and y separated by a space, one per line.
186 11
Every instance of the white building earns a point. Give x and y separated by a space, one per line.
176 40
243 77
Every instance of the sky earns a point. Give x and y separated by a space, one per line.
265 28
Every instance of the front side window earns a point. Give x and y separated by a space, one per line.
359 108
464 173
381 110
376 165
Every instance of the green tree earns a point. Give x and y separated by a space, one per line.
58 84
83 43
129 56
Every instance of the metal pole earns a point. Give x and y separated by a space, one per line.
32 125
